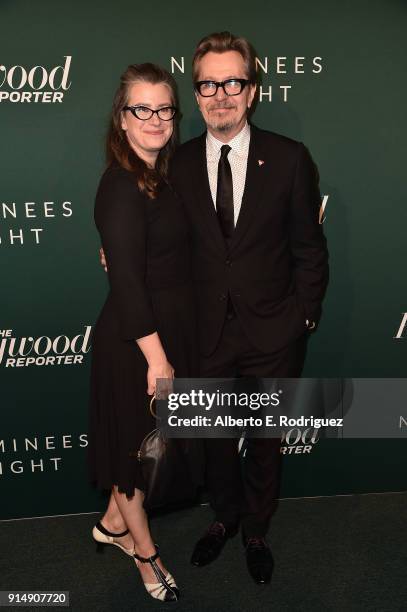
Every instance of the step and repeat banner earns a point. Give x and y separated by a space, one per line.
332 76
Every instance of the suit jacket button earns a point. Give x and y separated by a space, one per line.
228 262
222 297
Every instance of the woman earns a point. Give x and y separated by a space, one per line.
146 328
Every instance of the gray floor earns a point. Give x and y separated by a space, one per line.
335 553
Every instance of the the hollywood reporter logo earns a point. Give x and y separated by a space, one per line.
34 84
43 351
321 215
298 442
401 332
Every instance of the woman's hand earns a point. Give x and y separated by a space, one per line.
158 364
158 370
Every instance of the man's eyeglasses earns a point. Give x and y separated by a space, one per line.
231 87
166 113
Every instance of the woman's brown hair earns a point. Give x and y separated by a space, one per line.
118 149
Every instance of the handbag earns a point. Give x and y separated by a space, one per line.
166 469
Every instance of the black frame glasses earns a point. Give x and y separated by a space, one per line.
142 108
199 84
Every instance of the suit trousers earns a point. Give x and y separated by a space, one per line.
246 491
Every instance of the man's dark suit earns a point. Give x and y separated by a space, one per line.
274 272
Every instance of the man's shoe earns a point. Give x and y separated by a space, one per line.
208 548
259 560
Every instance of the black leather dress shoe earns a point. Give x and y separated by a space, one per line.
259 560
208 548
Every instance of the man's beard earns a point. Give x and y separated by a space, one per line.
224 126
221 125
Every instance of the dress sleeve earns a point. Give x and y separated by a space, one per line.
121 218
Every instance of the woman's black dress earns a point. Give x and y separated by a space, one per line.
146 246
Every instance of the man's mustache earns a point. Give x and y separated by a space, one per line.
220 105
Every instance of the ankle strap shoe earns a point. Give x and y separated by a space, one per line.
104 537
165 589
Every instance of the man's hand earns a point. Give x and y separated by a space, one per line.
102 259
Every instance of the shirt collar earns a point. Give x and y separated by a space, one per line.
239 143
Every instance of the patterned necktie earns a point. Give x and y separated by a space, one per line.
224 194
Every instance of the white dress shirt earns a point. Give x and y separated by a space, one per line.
238 163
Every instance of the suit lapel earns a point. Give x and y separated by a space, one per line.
255 177
205 197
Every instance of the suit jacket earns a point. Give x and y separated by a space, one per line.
275 269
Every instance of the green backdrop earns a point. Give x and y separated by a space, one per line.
342 72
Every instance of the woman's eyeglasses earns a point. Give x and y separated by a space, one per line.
166 113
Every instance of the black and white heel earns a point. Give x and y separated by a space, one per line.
104 537
165 589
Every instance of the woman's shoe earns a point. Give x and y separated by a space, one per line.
104 537
165 589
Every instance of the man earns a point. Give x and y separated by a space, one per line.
260 269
